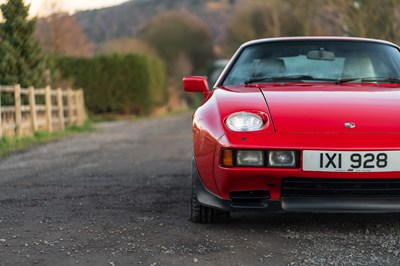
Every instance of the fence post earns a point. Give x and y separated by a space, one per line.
32 107
70 107
48 109
18 113
1 121
80 108
83 105
60 109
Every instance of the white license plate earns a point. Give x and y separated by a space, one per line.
351 161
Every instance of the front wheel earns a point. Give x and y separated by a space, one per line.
203 214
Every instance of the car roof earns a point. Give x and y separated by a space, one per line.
318 38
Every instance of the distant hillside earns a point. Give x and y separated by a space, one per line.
126 19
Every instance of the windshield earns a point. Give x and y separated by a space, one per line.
315 61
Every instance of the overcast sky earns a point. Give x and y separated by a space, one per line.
38 7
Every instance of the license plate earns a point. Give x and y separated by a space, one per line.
351 161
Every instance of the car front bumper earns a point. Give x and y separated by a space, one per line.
260 200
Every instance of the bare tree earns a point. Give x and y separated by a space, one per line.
49 7
60 33
126 46
370 18
261 19
180 39
270 18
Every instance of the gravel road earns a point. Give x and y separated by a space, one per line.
120 196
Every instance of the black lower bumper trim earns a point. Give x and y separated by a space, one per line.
297 204
340 205
207 198
204 196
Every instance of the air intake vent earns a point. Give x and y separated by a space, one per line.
344 188
252 199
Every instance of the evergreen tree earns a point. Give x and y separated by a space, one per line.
21 59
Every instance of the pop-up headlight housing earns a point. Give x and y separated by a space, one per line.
244 121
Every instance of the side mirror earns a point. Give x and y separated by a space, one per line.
196 84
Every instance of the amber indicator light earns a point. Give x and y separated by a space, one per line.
227 158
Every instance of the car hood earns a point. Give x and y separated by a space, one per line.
329 108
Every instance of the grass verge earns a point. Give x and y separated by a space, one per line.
118 117
10 144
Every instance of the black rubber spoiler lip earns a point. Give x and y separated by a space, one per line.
341 205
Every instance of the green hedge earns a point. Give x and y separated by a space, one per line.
118 83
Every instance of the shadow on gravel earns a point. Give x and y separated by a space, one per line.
339 221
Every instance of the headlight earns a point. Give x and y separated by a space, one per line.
282 158
244 121
249 158
259 158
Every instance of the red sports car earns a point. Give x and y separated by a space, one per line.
307 124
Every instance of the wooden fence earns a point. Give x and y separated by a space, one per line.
45 109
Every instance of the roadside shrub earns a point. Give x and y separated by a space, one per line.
128 84
181 39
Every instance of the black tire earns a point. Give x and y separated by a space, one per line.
203 214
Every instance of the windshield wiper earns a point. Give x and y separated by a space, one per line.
370 79
280 78
287 78
382 79
341 81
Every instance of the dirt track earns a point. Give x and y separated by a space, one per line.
120 196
